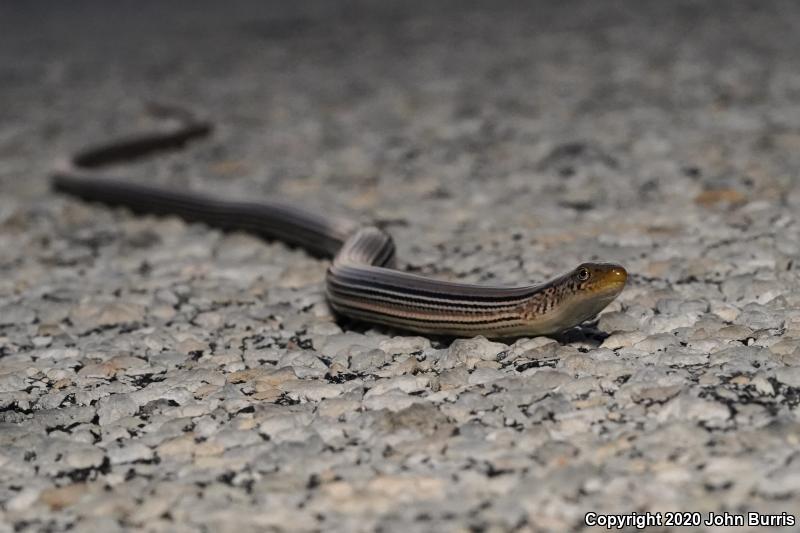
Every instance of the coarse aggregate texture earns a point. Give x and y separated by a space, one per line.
161 376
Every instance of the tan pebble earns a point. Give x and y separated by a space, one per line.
242 376
792 359
612 448
276 377
245 424
657 394
336 407
90 314
726 312
407 487
219 462
658 269
709 378
337 368
406 366
270 394
209 320
204 390
714 197
151 508
623 339
163 312
190 345
207 449
127 361
398 345
48 330
98 370
735 332
592 401
740 380
223 359
339 490
182 445
62 383
58 498
785 346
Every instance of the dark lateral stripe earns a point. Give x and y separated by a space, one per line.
381 256
401 298
415 306
417 302
399 281
387 254
421 324
424 295
428 319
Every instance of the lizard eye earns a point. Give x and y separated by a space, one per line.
583 274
